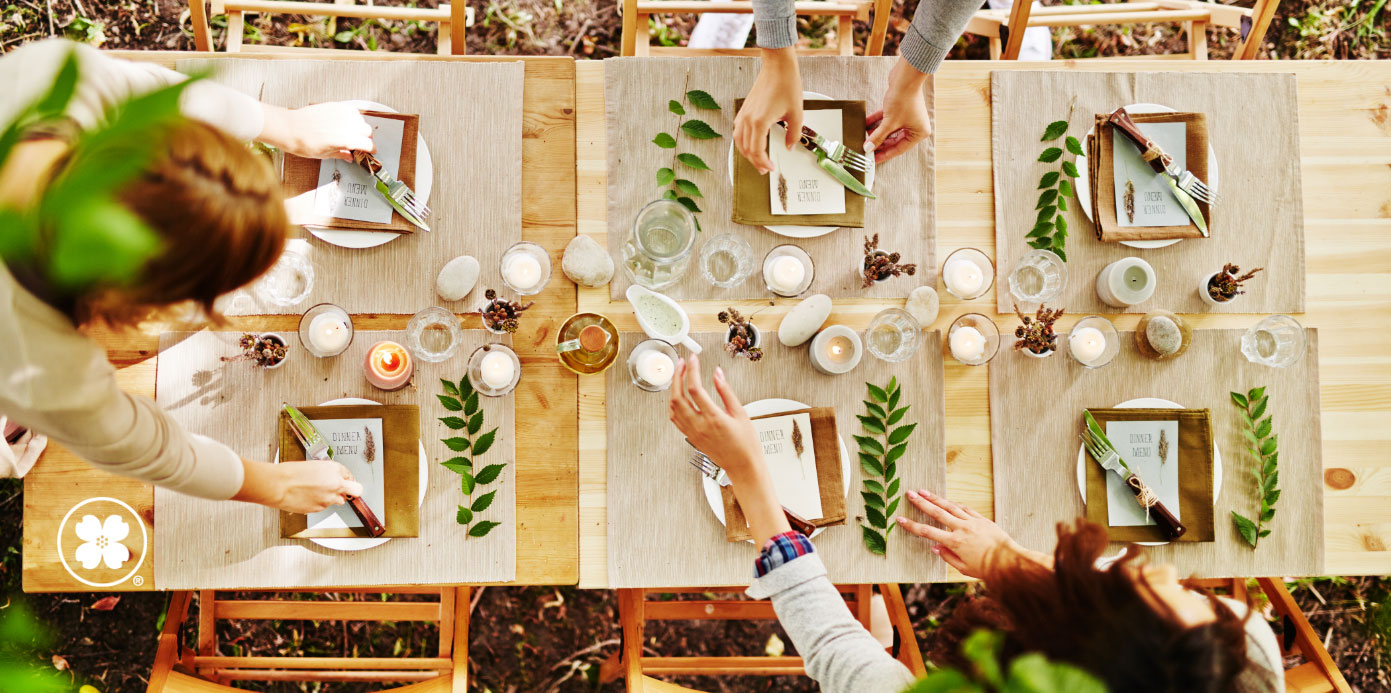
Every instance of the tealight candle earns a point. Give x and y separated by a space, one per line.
785 274
329 333
967 344
522 272
388 366
1126 282
835 350
656 369
1087 344
497 370
963 277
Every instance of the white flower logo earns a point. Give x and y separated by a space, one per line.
102 542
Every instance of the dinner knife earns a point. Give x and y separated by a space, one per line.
386 184
317 448
1111 461
1161 162
816 144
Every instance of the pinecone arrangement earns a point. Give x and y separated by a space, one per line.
502 315
880 265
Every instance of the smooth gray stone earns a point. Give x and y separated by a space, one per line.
804 320
1163 334
924 305
586 262
457 278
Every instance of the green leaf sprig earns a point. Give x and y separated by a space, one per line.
1050 228
671 178
879 461
1265 448
462 398
1028 673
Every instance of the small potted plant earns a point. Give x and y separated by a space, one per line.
880 265
1035 337
267 350
1224 285
742 338
501 316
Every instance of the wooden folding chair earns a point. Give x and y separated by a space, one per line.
453 20
1318 673
637 32
1195 15
635 612
180 669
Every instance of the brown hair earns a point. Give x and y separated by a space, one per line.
219 212
1106 621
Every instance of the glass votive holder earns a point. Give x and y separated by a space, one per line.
1093 341
973 339
1277 341
525 268
967 274
288 282
726 260
894 335
652 365
494 370
434 334
1038 277
326 330
788 271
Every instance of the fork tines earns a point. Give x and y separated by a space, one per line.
704 464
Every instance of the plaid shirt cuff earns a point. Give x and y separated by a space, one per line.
780 550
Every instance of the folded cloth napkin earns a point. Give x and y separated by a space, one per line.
753 201
19 450
301 177
826 448
1193 456
1100 163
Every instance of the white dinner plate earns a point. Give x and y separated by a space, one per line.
765 407
802 231
1084 187
1150 403
362 543
424 179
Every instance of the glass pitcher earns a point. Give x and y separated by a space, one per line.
658 252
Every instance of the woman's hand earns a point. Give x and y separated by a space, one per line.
321 131
969 542
297 487
904 120
776 95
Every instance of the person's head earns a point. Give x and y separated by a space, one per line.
1133 625
218 210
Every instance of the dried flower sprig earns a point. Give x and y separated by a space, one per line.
264 350
742 341
1226 285
463 398
880 265
1036 334
501 314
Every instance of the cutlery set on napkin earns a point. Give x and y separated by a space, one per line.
1147 174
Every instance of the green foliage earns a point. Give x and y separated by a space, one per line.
1030 673
469 480
1264 447
1050 228
879 461
684 190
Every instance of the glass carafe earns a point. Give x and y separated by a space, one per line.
658 251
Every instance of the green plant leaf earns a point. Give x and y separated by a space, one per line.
1256 393
665 176
1059 251
1033 673
876 518
1046 198
1251 436
1065 189
1239 399
897 415
874 541
1272 497
482 528
874 409
489 474
1075 147
482 502
449 387
872 500
901 434
464 516
945 681
1041 243
1263 428
1269 445
664 141
450 403
1268 467
1049 180
675 107
1062 204
699 130
1263 533
1061 225
1246 527
454 422
1041 229
1271 481
894 397
877 393
693 161
1046 214
869 445
1258 408
982 649
475 423
670 195
890 469
471 404
896 452
893 507
701 99
1070 169
484 442
95 239
457 444
467 483
465 387
1050 155
1267 514
687 187
871 424
690 204
1054 130
871 465
458 465
874 486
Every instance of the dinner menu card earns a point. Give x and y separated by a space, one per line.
358 445
1150 449
788 452
1139 190
346 190
798 185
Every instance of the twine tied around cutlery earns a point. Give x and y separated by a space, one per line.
1146 497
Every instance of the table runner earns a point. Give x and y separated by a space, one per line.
477 181
1036 415
636 91
1254 130
212 544
661 532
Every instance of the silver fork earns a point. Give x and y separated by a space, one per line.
709 469
836 151
403 195
1194 186
1103 454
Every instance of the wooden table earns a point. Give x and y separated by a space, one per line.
546 398
1345 126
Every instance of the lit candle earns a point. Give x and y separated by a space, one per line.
388 366
963 278
785 274
522 272
967 344
656 368
329 333
835 350
1087 344
497 369
1126 282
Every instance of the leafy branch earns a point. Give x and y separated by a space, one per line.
1264 447
1029 673
1050 228
879 461
463 398
677 188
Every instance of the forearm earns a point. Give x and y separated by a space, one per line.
753 487
934 30
262 483
776 23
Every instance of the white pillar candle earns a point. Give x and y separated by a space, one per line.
835 350
656 368
497 369
967 344
785 274
963 277
329 333
1087 344
1126 282
522 272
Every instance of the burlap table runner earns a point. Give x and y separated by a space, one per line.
218 544
1254 129
636 91
477 152
661 532
1036 416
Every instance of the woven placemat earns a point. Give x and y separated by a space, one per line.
636 91
661 532
1253 126
1036 416
476 199
224 544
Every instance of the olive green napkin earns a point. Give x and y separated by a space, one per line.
753 202
1195 462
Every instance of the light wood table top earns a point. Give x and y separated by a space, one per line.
546 397
1345 145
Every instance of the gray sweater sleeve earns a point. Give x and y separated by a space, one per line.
839 653
935 28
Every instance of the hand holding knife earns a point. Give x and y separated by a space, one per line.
317 448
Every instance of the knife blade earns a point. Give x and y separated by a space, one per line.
816 144
1161 162
1112 462
1190 205
316 447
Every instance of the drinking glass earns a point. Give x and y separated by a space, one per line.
306 324
808 269
535 252
433 334
658 251
986 331
1038 277
893 335
1110 347
1277 341
644 348
288 282
726 260
975 257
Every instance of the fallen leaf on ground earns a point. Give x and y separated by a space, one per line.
106 603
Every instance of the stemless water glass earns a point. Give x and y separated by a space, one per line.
726 260
658 251
288 282
433 334
1038 277
893 335
1277 341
